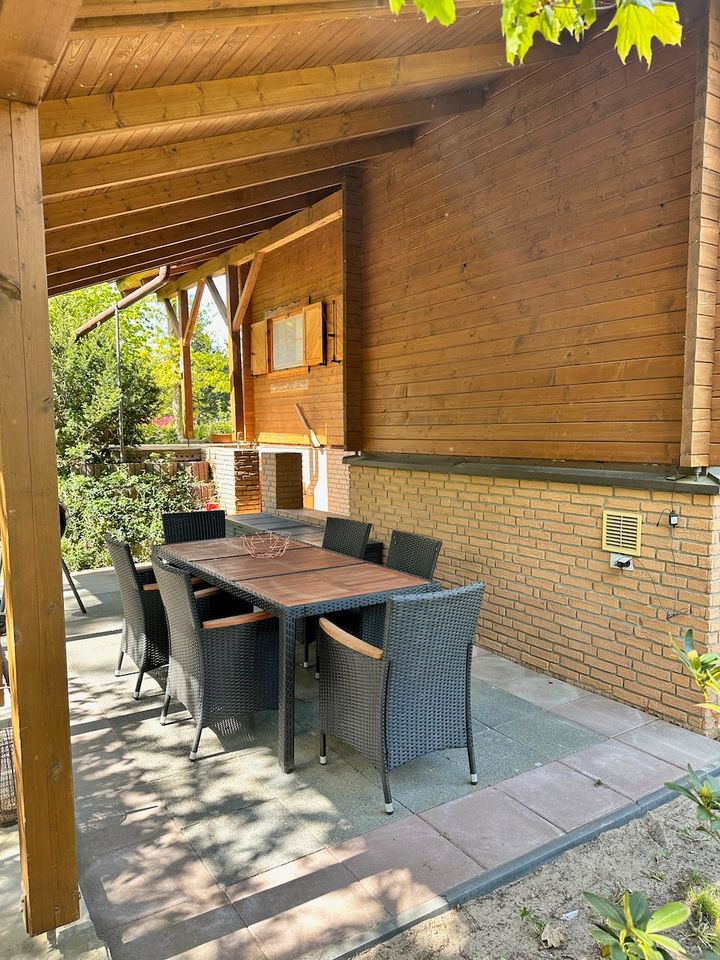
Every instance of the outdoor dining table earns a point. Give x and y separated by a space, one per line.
306 581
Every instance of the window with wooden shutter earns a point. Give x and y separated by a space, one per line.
258 348
314 334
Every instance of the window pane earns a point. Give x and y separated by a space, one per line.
287 342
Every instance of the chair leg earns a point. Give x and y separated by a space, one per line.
196 744
73 587
136 694
165 708
471 761
389 807
306 650
119 663
323 749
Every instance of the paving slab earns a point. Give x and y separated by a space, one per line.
544 692
550 736
623 768
493 706
405 863
674 744
301 907
604 716
491 827
562 796
497 671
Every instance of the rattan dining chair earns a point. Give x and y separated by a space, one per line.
144 627
195 525
219 669
413 696
414 554
349 537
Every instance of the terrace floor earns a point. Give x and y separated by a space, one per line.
230 857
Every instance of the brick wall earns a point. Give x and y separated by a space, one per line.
281 478
338 482
553 602
236 473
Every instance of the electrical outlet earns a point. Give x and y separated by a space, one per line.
621 561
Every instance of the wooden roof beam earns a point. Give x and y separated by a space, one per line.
131 109
319 215
254 202
112 20
32 37
114 201
74 176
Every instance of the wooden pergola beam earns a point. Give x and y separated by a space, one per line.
73 176
32 37
314 218
219 302
30 535
185 367
256 203
247 290
111 20
194 313
114 201
238 224
125 110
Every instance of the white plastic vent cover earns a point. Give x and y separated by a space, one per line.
621 532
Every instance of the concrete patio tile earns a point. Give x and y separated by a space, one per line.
99 835
562 796
623 768
601 714
498 757
549 735
135 795
240 844
303 906
674 744
101 763
429 780
405 863
491 827
497 671
186 931
133 882
544 692
493 706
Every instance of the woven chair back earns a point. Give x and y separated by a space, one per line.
196 525
345 536
414 554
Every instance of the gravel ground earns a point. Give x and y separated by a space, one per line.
657 855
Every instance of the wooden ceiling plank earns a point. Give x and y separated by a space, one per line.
251 221
32 37
143 196
74 176
239 16
283 195
319 215
158 106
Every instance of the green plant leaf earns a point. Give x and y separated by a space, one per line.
669 944
639 908
441 10
678 788
637 26
689 640
671 915
602 937
606 909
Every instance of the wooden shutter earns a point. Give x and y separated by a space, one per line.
336 342
258 348
314 334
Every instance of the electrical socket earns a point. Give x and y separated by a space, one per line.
621 562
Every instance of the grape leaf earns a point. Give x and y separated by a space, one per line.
637 26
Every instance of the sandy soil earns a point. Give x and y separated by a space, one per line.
656 855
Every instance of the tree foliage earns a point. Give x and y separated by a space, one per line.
637 23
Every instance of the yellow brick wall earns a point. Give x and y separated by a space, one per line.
553 602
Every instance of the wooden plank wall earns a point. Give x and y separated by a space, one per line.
308 269
524 290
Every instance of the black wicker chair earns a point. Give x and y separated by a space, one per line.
412 697
196 525
413 554
144 628
219 669
345 536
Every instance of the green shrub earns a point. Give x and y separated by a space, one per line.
128 507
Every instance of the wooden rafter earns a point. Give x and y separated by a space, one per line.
32 37
319 215
185 366
111 20
247 290
60 179
194 313
128 109
114 201
219 302
256 203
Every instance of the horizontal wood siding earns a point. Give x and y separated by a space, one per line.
525 269
306 270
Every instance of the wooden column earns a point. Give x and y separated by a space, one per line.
242 399
352 312
185 367
30 534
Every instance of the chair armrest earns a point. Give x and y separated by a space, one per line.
195 581
348 640
151 586
206 592
237 621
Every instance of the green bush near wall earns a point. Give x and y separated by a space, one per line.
125 506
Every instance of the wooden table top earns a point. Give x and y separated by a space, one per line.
303 575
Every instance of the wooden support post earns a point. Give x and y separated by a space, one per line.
352 232
237 412
30 533
185 367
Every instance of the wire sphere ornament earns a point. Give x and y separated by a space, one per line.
266 546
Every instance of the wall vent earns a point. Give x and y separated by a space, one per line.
621 532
